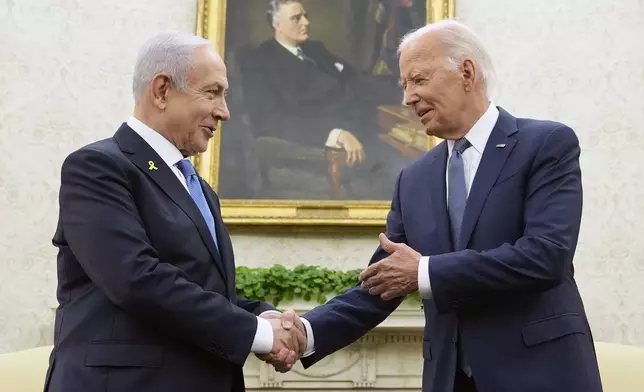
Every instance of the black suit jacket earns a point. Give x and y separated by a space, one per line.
300 101
508 291
147 302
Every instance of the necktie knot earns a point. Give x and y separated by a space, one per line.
301 55
186 168
461 145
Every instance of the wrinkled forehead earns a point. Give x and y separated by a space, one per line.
416 58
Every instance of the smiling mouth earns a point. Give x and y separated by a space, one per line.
423 112
211 130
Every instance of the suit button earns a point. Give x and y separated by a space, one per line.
454 339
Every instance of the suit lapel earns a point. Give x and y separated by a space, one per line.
437 191
144 157
223 239
492 162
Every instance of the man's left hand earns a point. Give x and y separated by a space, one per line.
395 275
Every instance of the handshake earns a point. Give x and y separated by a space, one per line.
289 340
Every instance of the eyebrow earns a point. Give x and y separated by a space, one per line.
414 75
215 85
298 15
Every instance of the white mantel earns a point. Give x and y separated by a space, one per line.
389 358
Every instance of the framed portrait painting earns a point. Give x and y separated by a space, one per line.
318 130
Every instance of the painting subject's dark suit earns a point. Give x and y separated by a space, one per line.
147 301
299 100
302 101
508 291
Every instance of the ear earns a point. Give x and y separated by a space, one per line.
469 74
160 87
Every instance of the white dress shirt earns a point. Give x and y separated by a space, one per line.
334 135
170 154
478 137
162 146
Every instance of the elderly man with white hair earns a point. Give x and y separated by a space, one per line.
146 272
484 226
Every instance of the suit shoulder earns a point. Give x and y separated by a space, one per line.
264 49
262 57
105 146
106 149
541 126
420 165
543 130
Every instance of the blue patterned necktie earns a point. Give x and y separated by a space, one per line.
194 188
456 200
456 193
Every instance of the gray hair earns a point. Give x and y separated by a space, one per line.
459 42
168 52
273 10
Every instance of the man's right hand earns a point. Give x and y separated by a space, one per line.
288 343
353 147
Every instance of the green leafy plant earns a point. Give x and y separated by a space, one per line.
310 283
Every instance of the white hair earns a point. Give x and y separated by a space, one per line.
168 52
459 43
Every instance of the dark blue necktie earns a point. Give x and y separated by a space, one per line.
456 192
194 188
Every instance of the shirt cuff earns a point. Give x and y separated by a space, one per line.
269 312
424 284
332 140
310 341
263 342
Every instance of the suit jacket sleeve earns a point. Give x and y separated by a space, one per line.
106 234
254 306
538 260
347 317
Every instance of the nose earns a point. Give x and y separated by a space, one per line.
409 97
221 111
305 21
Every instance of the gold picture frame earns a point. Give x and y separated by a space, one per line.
211 24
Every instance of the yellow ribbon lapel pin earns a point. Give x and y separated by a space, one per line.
152 166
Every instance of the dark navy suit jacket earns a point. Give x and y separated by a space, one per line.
509 290
147 302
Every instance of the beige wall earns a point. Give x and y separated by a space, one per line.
65 69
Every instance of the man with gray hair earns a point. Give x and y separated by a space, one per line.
485 227
146 272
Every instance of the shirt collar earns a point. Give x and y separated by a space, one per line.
290 48
479 134
166 150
